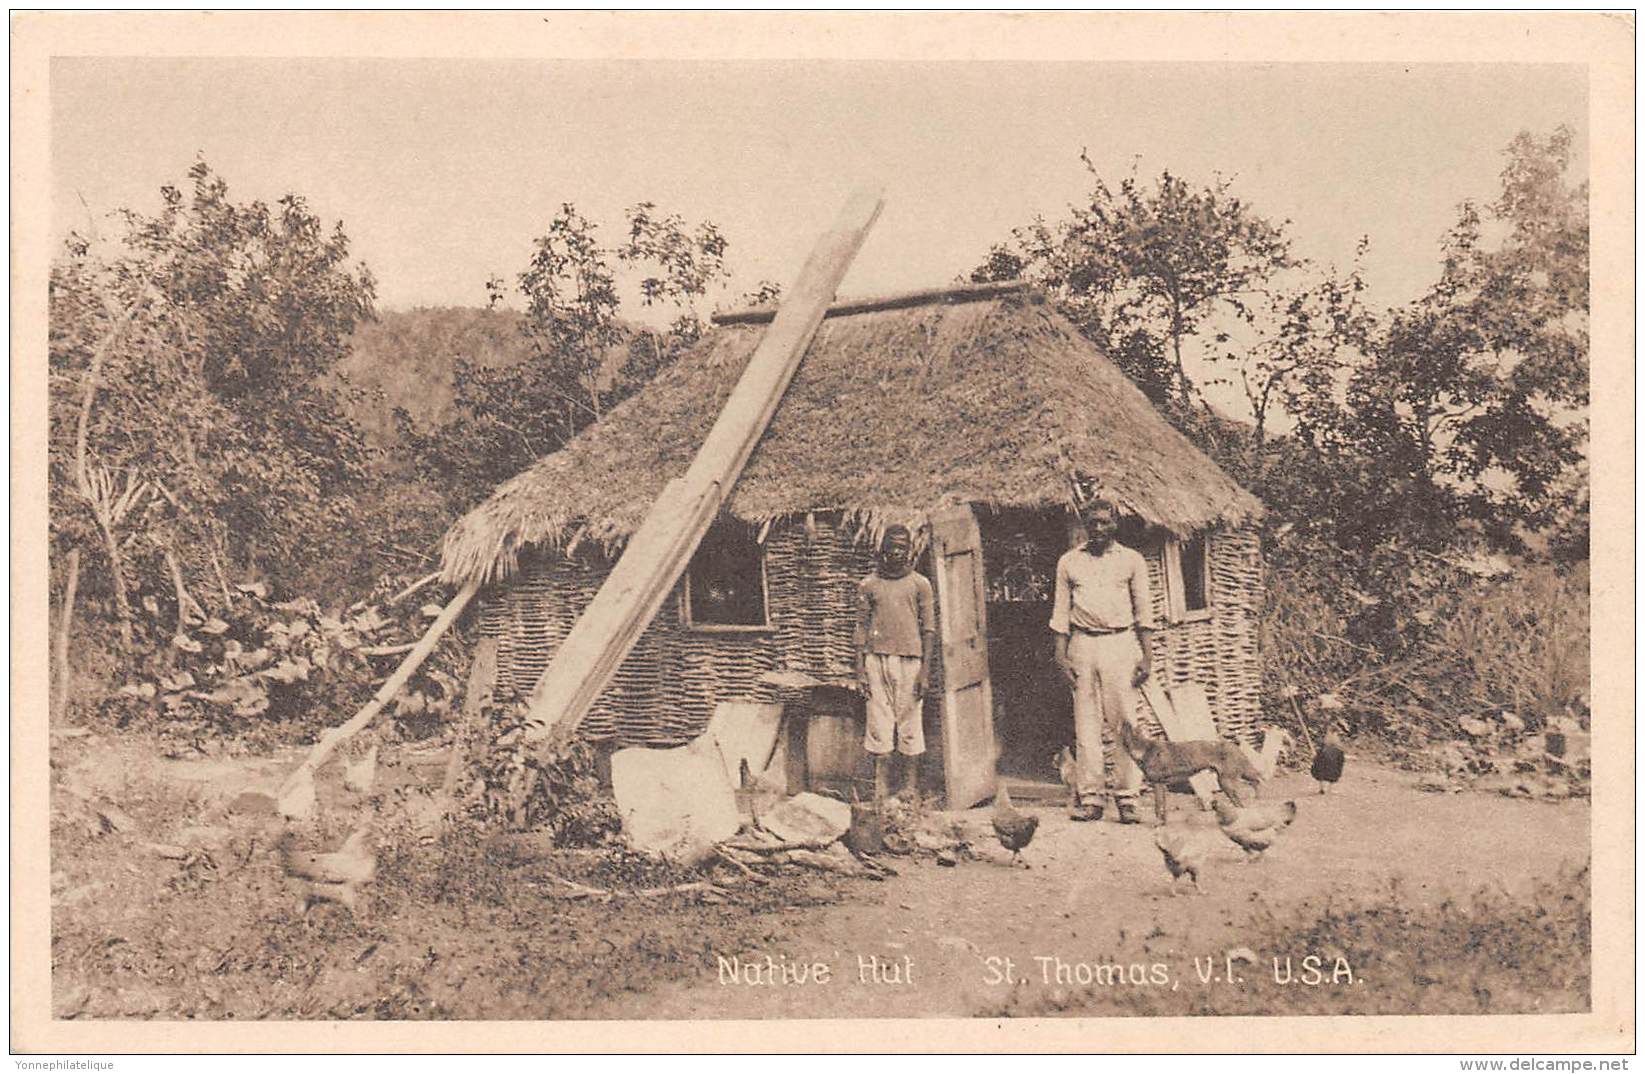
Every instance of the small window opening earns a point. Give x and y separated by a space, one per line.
725 584
1188 578
1195 595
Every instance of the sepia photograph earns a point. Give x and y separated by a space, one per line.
1075 521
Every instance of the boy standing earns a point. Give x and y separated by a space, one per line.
896 632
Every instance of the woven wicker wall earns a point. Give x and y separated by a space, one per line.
1218 653
666 690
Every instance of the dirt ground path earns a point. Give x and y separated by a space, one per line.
1097 893
138 932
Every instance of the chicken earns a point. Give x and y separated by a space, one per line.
1014 829
1255 827
1067 771
334 877
360 776
1186 852
1328 762
1275 744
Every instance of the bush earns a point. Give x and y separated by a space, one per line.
271 671
1415 645
523 790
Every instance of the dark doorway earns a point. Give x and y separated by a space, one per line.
1033 708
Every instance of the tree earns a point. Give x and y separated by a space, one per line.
190 425
1467 408
571 316
1143 269
685 265
1309 337
584 357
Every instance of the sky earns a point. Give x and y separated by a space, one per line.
442 171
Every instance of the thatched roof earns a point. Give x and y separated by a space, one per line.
893 413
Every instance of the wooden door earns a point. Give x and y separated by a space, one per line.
969 752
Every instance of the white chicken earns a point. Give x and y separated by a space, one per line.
333 877
360 776
1186 851
1254 828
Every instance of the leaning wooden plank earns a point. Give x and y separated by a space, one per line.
1185 722
1194 721
408 667
951 295
659 549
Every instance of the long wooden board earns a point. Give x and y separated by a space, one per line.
974 292
1186 717
970 755
660 548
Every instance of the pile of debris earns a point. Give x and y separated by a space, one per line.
723 797
911 831
1500 754
809 831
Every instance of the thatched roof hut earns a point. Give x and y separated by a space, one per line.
893 413
976 410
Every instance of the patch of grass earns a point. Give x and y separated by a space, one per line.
460 928
1491 954
450 930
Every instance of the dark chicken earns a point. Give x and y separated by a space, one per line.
1014 829
1328 762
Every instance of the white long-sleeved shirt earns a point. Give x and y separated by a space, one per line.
1102 593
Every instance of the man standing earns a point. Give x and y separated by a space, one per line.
896 632
1102 616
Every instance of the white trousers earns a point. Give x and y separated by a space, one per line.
1103 696
894 712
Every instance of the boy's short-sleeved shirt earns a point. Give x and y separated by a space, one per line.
899 612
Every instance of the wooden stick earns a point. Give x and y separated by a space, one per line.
185 599
583 891
1302 724
822 862
726 855
65 628
952 295
217 569
387 650
396 682
404 593
482 680
778 848
539 846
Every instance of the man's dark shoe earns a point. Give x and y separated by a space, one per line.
1087 811
1128 812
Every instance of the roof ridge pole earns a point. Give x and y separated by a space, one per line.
659 549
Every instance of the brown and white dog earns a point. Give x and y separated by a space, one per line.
1165 762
